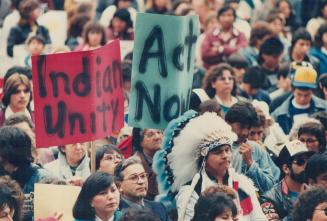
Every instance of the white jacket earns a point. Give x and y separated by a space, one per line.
244 183
61 169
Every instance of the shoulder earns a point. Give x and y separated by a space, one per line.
52 165
319 103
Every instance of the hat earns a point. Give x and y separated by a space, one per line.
291 150
263 106
305 77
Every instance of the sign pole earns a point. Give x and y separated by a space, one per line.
93 153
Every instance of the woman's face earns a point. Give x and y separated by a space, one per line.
20 98
74 153
319 213
284 7
106 201
118 25
310 141
35 14
94 38
224 83
6 214
109 162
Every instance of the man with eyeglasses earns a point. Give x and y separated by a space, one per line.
133 184
148 143
277 203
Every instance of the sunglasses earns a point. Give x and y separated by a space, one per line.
300 161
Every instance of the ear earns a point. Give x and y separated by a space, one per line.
285 169
213 84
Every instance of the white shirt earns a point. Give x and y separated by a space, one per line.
98 219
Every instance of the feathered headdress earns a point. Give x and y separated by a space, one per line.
187 140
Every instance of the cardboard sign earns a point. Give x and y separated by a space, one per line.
163 65
78 95
49 199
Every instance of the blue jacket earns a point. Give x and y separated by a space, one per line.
283 117
117 216
263 172
156 207
322 57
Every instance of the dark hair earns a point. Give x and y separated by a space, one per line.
225 9
18 118
15 146
123 165
275 14
7 200
209 207
11 86
25 8
77 24
242 112
300 34
237 60
260 30
271 46
96 27
135 214
12 196
254 77
211 76
108 148
211 105
123 15
18 69
94 184
315 129
318 37
317 165
322 117
307 202
126 70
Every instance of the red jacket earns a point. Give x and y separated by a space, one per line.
215 49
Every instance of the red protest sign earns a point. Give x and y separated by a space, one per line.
78 95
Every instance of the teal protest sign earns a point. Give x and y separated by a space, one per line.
163 64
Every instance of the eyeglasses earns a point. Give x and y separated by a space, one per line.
136 177
325 211
300 161
112 157
309 140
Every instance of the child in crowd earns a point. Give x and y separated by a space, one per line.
94 36
35 45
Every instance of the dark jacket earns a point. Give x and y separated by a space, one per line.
19 34
276 202
156 207
283 117
117 216
152 178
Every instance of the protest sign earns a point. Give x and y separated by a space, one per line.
78 95
50 199
163 65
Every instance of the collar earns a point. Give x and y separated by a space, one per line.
234 32
110 219
234 100
132 204
9 112
284 187
298 106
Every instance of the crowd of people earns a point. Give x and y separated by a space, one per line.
252 145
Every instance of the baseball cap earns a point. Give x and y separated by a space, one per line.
291 150
305 77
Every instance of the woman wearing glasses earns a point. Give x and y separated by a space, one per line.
219 83
107 158
313 135
98 200
311 206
